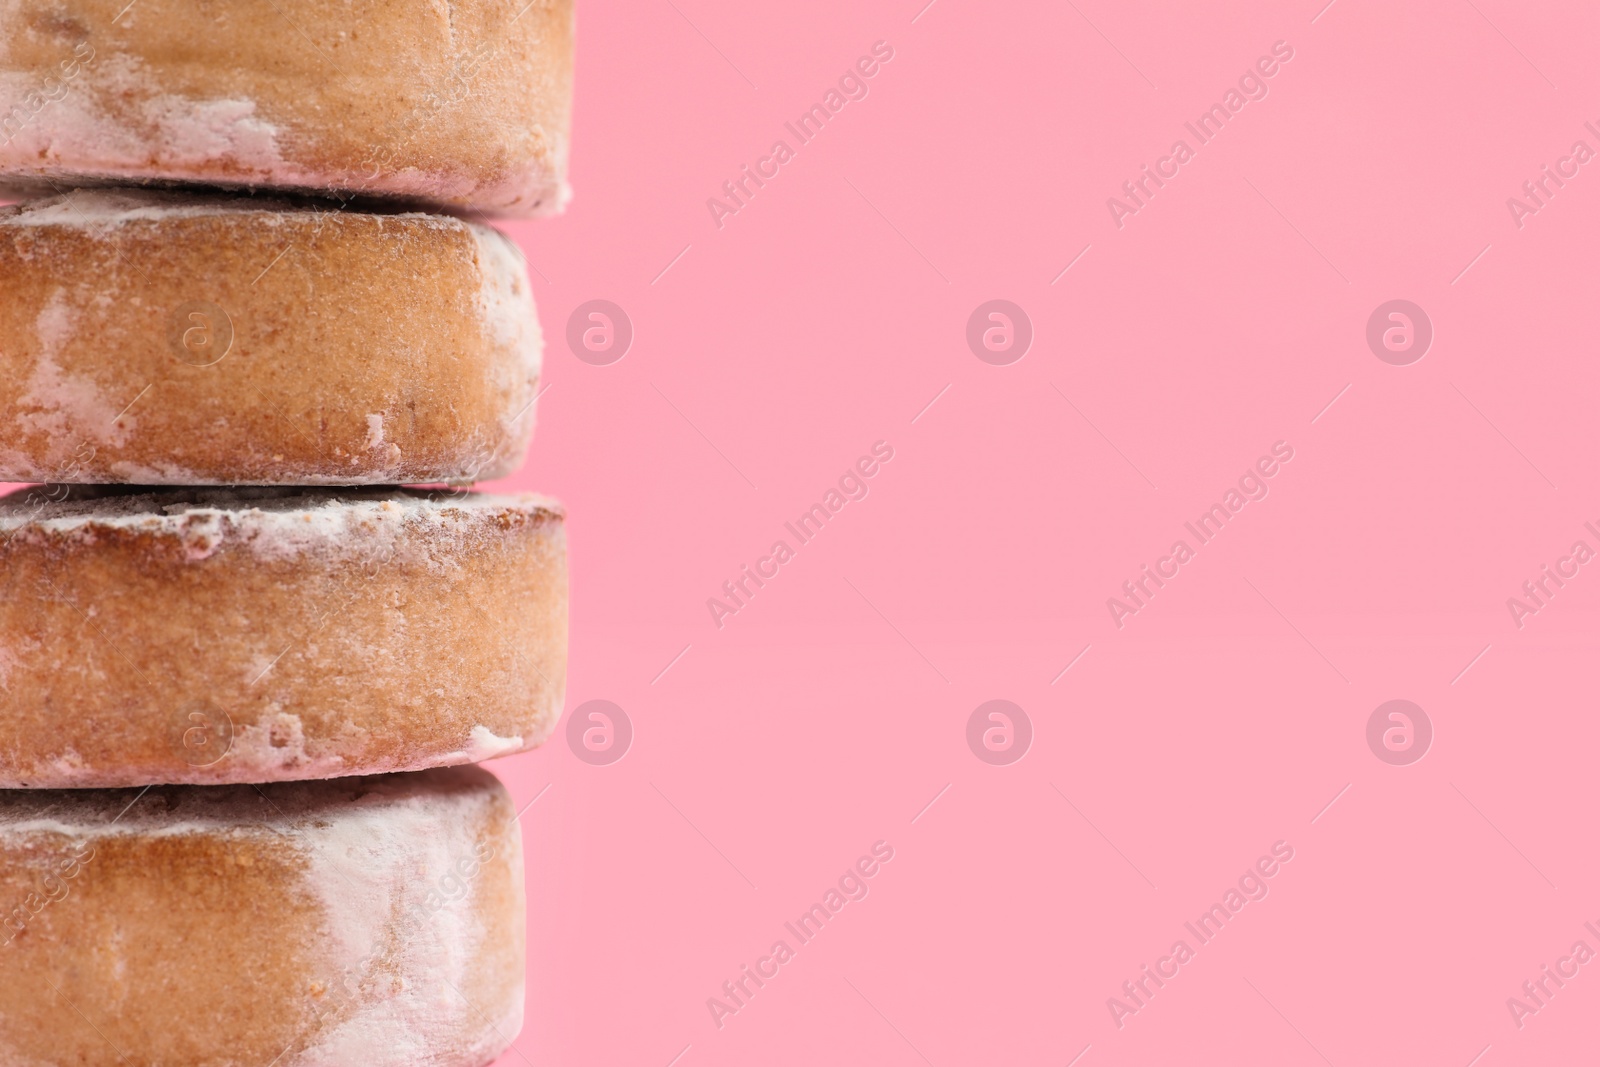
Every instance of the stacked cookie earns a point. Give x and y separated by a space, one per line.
242 667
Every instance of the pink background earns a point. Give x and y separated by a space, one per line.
1220 319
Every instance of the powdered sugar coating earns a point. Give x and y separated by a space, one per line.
412 886
504 303
278 520
462 105
428 350
273 634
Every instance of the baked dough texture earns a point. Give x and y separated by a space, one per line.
371 921
161 339
255 635
460 104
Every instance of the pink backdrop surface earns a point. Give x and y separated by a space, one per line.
1164 751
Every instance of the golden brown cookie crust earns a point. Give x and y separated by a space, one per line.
254 635
160 339
454 103
377 921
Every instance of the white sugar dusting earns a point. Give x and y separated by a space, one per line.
396 858
129 473
277 523
113 122
66 409
484 744
163 131
194 131
119 107
506 304
96 209
393 865
54 324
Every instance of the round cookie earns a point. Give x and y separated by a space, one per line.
159 339
378 921
459 104
255 635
